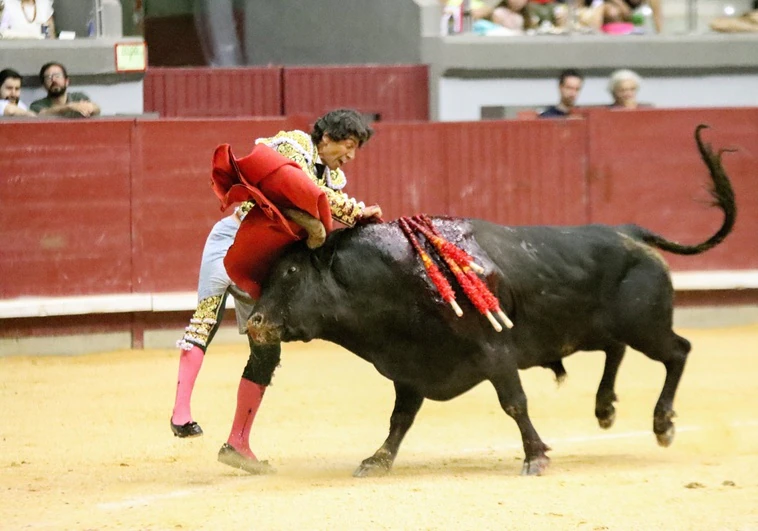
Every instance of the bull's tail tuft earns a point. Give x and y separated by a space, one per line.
723 197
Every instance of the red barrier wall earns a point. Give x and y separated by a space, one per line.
108 206
518 173
205 92
392 93
504 171
65 208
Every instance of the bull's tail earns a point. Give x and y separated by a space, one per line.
723 198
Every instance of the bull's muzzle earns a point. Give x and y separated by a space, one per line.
261 331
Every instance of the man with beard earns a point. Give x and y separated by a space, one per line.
10 94
569 86
60 102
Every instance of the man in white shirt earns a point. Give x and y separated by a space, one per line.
10 94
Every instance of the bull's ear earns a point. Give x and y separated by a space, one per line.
323 257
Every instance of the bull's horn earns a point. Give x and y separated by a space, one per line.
314 227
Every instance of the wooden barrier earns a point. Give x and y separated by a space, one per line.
387 93
209 92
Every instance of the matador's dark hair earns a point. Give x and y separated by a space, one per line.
341 125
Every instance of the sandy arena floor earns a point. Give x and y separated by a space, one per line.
85 444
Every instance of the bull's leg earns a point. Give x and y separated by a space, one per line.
663 427
407 403
605 412
513 401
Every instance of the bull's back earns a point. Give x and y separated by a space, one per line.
571 288
540 257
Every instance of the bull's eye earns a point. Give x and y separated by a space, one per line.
292 270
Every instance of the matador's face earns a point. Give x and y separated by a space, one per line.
334 154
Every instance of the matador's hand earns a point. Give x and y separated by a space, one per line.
371 214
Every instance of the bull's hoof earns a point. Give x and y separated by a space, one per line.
664 429
374 466
606 418
666 438
536 466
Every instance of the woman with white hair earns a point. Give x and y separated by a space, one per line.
623 86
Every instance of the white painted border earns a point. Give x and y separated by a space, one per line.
92 304
187 300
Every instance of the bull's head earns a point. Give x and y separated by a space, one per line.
296 297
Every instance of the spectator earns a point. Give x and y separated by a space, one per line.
745 23
569 86
548 15
623 86
60 102
623 11
511 15
28 18
10 94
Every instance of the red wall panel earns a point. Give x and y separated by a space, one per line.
517 172
174 207
505 171
197 92
403 169
645 169
393 93
65 196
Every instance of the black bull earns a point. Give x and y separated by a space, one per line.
567 289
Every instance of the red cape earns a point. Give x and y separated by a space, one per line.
273 181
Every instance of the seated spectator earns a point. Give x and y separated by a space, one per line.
10 95
746 23
511 15
589 15
552 16
623 86
27 19
623 11
60 102
569 86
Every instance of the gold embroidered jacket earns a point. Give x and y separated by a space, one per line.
299 147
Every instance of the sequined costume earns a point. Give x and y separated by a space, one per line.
214 285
